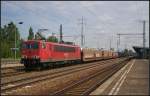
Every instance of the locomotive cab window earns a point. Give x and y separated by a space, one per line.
30 45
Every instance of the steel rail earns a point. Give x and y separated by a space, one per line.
36 79
81 87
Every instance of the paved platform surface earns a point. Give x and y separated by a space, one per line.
132 79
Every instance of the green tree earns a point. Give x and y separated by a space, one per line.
31 34
52 39
8 34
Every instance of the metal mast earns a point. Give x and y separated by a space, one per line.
61 35
82 35
144 40
82 32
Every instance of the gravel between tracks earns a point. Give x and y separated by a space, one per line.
38 73
45 87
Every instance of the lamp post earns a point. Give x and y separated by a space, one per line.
15 38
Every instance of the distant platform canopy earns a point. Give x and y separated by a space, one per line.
140 51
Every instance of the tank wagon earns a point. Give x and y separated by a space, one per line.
40 53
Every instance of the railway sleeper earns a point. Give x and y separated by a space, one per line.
80 87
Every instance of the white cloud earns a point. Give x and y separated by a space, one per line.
106 18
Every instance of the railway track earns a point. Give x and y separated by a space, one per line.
8 86
11 71
8 74
87 85
30 74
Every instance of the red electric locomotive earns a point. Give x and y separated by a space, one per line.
40 53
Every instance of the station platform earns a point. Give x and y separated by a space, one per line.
132 79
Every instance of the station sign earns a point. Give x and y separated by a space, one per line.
13 49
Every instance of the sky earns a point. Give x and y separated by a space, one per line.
102 20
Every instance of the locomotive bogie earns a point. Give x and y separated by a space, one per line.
30 62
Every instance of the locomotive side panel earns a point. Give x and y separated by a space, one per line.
65 53
45 52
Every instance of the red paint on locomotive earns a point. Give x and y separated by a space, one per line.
41 51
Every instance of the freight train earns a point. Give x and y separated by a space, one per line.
38 53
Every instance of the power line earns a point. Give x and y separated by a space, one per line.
144 38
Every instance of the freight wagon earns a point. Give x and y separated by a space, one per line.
87 54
